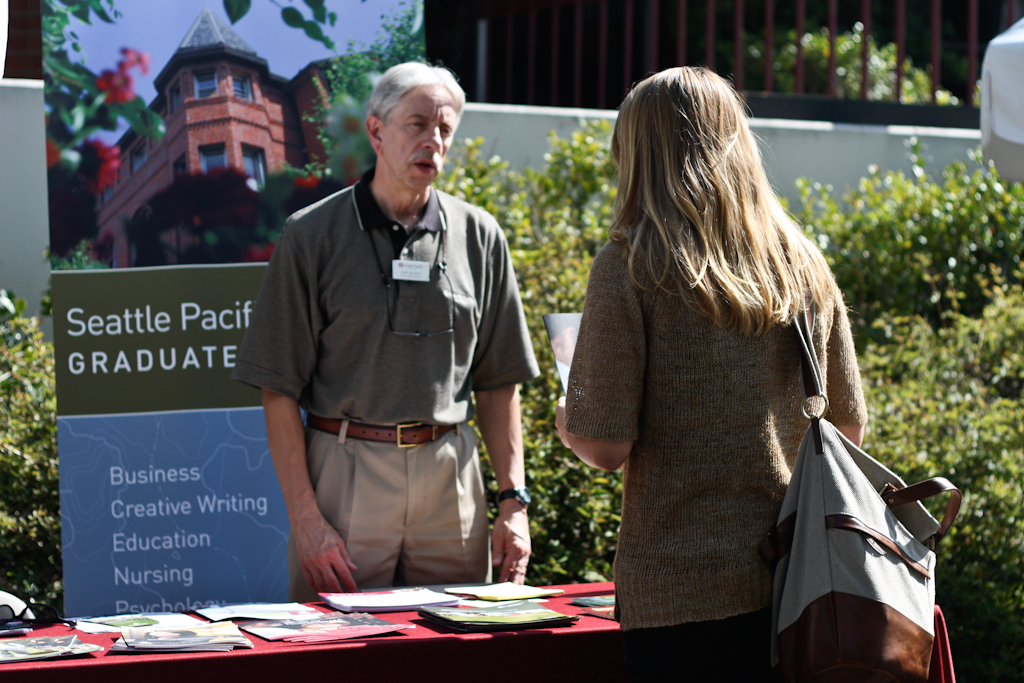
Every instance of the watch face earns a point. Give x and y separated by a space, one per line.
523 495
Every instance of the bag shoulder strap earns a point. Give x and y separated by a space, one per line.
811 369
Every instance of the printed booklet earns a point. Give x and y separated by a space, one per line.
325 628
24 649
562 331
397 600
506 617
219 636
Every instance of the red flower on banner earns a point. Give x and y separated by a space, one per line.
117 85
307 182
132 59
99 165
52 153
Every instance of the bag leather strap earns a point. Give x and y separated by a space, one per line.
927 489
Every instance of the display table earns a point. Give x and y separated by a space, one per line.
589 650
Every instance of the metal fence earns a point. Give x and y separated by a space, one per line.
588 52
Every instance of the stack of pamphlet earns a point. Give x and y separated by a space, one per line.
504 591
397 600
219 636
504 617
321 629
24 649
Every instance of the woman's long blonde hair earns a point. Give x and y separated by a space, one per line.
697 212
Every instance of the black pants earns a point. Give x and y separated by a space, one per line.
734 649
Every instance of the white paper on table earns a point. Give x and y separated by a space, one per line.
398 600
260 610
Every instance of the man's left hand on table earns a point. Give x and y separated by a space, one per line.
510 541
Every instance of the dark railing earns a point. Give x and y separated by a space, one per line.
571 46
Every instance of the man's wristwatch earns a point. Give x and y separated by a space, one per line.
520 493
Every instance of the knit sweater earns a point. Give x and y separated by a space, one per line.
716 423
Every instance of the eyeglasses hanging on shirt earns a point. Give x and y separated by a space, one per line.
404 270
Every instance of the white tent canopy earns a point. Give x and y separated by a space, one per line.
1002 102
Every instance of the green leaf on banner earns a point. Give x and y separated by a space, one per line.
293 17
319 10
236 9
314 31
97 8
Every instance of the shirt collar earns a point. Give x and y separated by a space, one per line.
371 216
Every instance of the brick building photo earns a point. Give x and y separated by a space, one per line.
227 117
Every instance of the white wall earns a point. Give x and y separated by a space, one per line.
24 218
829 153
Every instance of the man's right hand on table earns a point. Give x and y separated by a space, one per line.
323 556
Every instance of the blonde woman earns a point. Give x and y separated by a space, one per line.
686 373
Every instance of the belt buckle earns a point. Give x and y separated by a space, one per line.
398 438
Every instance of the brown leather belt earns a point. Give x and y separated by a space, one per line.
403 436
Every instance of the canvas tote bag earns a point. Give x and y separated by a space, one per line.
853 560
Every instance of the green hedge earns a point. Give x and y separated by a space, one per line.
30 560
930 268
947 402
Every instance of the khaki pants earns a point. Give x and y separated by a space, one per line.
409 516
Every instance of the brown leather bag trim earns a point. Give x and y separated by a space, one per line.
927 489
777 542
853 524
845 638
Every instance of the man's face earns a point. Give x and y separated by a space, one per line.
412 145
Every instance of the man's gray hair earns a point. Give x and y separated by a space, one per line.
401 78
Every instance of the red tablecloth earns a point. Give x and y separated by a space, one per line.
589 650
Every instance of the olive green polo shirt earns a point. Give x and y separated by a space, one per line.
320 330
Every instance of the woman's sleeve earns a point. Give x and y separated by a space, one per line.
842 382
607 373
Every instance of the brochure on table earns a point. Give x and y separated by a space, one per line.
25 649
522 614
325 628
114 623
219 636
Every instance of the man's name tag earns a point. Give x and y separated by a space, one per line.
417 271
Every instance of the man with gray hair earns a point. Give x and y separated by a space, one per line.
383 482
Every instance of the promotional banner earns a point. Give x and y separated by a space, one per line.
168 495
180 135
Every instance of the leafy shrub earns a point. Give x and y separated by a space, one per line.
917 246
30 550
948 402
